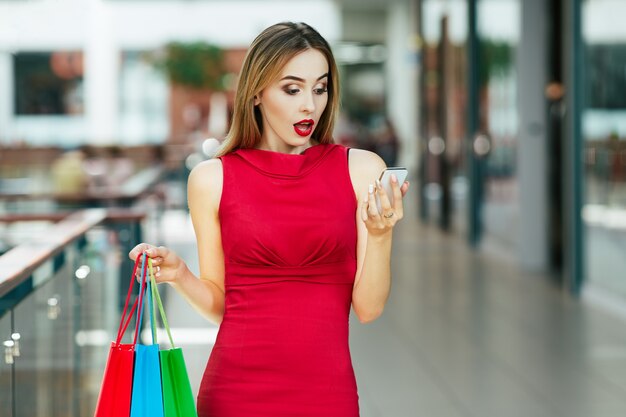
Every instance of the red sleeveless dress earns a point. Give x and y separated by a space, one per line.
289 238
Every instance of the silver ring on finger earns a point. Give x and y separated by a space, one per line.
388 215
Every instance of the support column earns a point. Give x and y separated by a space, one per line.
532 67
6 98
101 76
573 266
475 165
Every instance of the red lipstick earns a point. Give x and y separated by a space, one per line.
304 127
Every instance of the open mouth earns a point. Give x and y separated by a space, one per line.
304 127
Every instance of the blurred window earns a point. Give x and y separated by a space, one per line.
604 147
48 83
606 78
143 99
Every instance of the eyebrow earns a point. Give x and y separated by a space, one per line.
293 77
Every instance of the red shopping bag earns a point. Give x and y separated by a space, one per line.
117 382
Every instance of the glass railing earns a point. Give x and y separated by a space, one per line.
58 319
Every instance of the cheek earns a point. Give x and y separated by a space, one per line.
322 103
276 107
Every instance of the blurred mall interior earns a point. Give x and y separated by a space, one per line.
509 270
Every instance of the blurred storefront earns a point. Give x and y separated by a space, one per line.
471 118
94 73
522 131
83 71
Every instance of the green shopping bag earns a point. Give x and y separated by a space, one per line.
177 396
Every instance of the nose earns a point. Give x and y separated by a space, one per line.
308 103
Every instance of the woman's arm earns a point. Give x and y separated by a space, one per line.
204 293
374 235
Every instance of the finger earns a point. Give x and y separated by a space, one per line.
134 252
157 261
137 250
385 204
397 193
405 188
372 209
160 252
398 204
140 272
363 208
152 266
154 269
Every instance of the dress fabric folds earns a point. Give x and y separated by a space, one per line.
288 226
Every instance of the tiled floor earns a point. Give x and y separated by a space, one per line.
464 334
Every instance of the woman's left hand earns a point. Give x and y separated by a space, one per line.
392 210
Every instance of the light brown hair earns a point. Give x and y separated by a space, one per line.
264 61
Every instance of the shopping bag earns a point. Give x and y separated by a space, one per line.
178 398
114 397
147 398
115 393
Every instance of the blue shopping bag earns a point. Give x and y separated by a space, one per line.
147 396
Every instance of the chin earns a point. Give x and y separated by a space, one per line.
298 141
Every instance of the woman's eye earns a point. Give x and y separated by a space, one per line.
291 91
320 91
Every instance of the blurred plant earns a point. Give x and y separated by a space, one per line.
197 65
496 59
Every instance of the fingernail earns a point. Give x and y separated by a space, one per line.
378 184
394 178
370 189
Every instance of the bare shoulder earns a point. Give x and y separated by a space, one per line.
365 166
207 174
205 183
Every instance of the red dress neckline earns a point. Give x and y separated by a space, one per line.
279 164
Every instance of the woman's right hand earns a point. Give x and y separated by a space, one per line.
167 265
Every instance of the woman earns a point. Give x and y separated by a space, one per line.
285 245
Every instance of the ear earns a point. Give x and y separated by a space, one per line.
257 99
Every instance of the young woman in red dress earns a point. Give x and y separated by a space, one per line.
289 239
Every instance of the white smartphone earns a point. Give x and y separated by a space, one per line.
385 180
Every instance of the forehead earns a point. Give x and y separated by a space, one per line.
309 64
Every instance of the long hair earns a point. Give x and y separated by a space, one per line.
264 61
